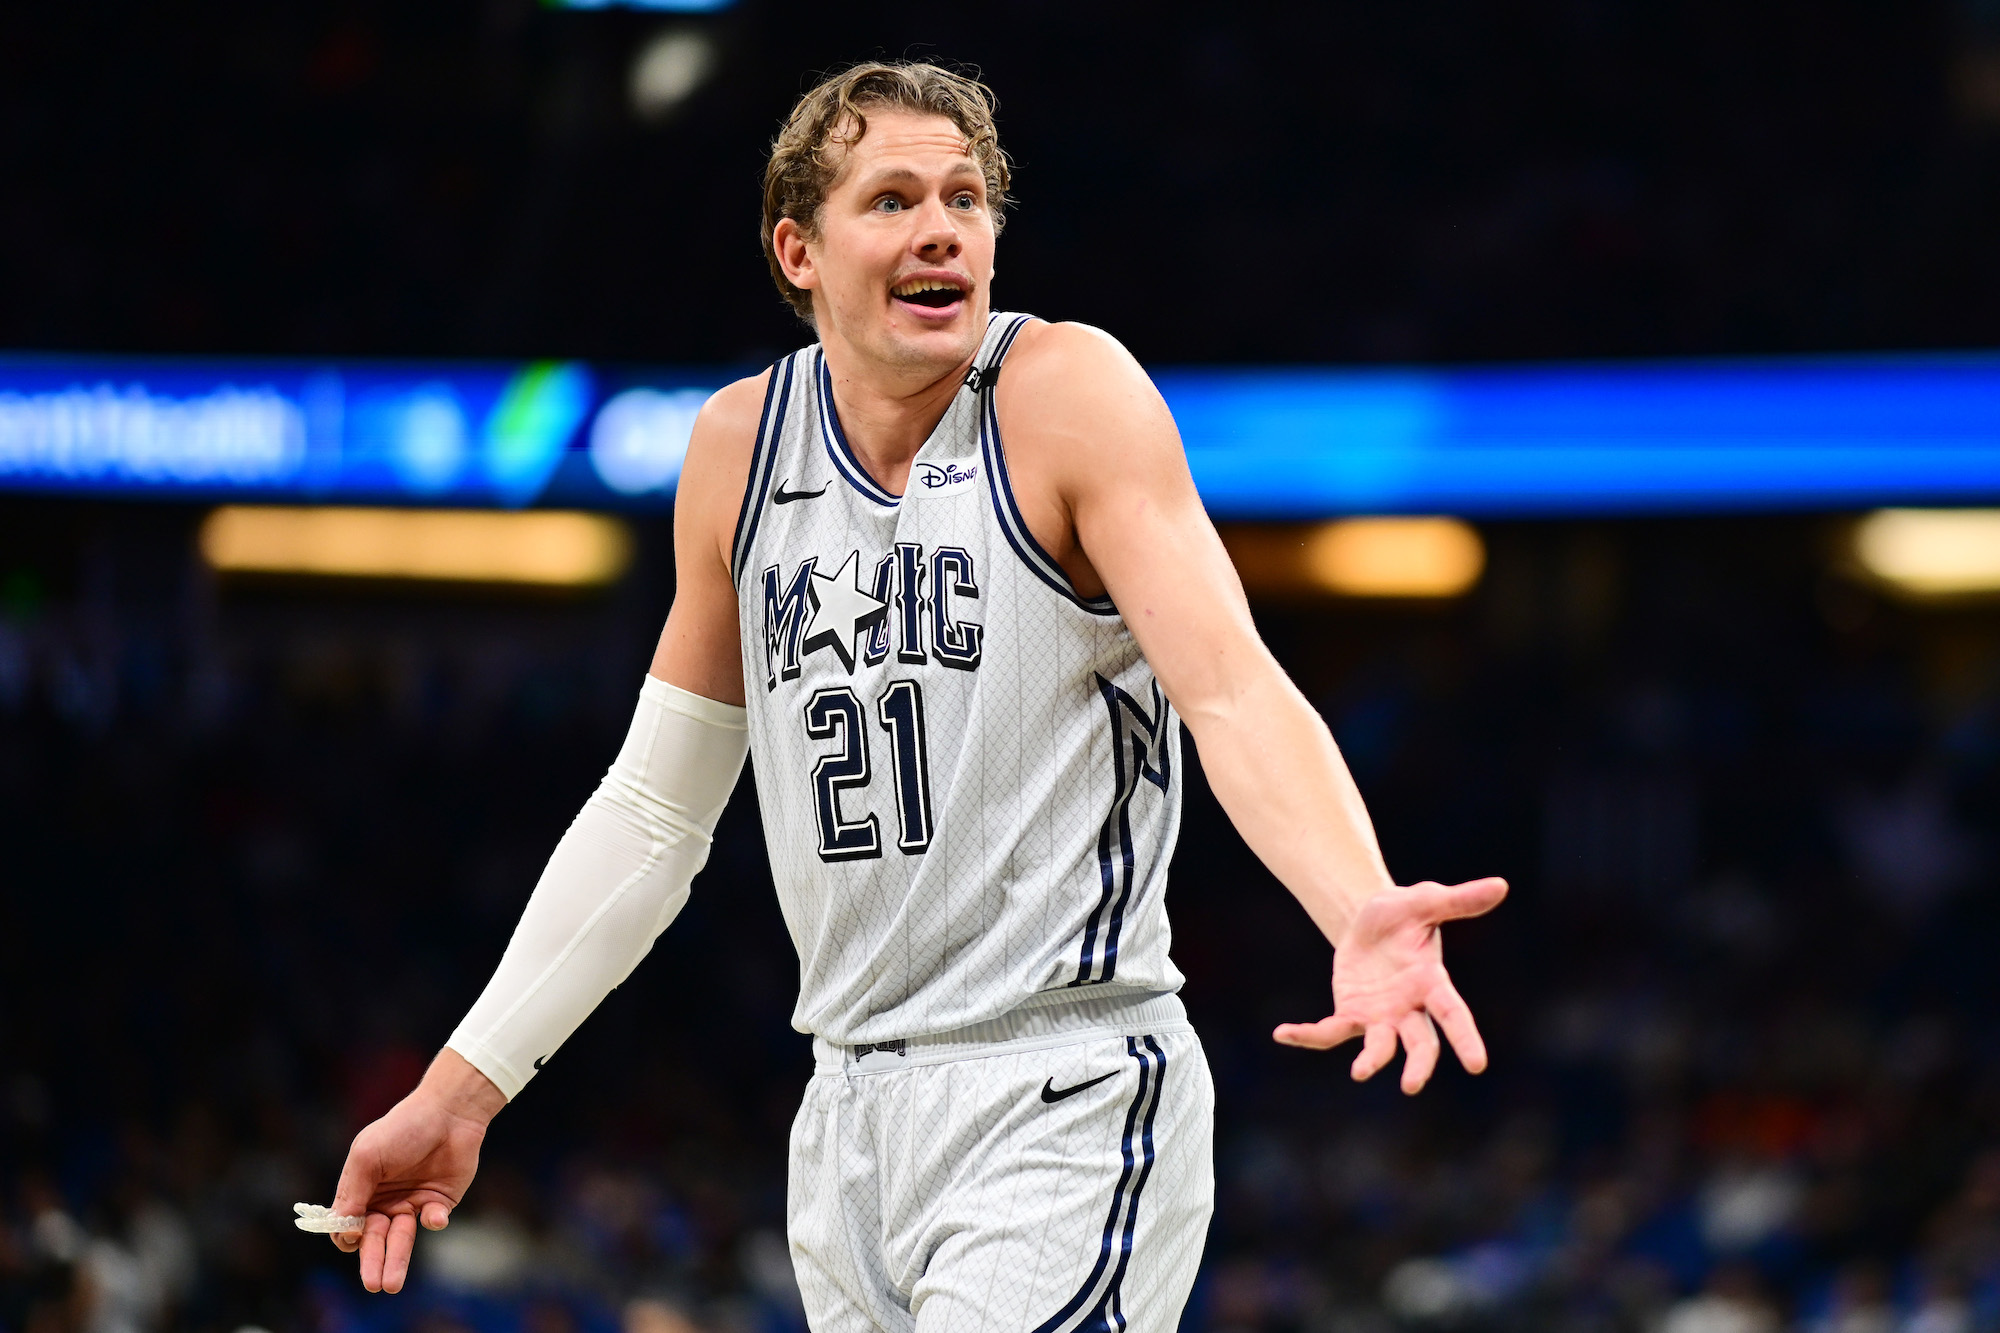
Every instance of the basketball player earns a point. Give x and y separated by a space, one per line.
946 576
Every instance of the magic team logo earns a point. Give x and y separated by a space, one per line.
913 603
917 603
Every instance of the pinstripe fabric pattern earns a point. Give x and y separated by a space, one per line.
953 1198
966 770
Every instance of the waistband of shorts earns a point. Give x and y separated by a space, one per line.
1035 1025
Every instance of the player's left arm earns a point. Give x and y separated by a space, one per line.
1083 415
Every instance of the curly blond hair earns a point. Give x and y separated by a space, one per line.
807 155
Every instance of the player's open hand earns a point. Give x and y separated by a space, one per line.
1389 983
414 1164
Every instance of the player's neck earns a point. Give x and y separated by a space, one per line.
887 412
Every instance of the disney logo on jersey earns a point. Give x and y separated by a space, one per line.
944 478
914 603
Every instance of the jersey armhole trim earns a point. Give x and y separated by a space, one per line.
1012 525
763 460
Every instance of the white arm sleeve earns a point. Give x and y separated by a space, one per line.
618 876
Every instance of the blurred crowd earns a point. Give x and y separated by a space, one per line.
260 846
1573 178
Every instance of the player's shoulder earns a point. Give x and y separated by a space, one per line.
1076 389
717 467
729 419
725 431
1068 356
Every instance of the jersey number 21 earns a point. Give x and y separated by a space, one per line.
835 713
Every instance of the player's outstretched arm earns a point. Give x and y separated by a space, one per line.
615 881
1080 410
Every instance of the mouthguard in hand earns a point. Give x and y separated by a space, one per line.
315 1217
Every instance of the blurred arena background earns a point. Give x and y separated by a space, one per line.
267 815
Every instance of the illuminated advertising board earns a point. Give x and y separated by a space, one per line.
1534 440
417 433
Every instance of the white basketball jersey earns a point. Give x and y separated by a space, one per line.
969 776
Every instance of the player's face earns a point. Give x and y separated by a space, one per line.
904 257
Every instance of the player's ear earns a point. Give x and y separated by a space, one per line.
788 242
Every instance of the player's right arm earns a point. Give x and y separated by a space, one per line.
616 879
701 649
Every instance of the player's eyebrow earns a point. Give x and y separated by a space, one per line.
884 176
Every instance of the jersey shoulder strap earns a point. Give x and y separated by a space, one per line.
778 393
1000 335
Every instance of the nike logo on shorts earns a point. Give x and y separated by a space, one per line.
1052 1094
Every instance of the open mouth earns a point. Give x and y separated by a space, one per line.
930 293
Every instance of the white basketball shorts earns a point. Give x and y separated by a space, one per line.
1049 1172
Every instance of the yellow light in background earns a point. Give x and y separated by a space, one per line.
547 548
1395 557
1423 558
1932 551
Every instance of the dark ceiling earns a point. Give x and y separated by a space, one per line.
1349 180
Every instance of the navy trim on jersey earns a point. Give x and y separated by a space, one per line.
844 461
1012 525
1160 775
1152 1077
1146 740
764 458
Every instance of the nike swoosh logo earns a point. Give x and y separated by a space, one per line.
539 1063
785 497
1053 1094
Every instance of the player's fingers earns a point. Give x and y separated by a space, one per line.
436 1217
1473 898
374 1244
1448 1007
352 1195
348 1241
1432 903
1378 1048
396 1265
1321 1036
1420 1051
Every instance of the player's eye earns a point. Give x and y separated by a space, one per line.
888 203
964 201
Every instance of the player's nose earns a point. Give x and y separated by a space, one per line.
937 235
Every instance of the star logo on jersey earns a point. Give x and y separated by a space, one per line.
841 611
